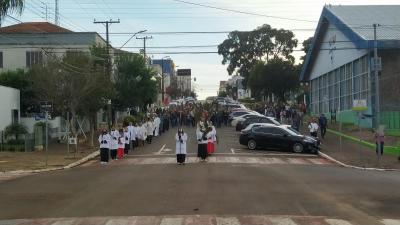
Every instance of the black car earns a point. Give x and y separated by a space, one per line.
255 119
278 138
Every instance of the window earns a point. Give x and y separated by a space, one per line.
1 59
15 116
33 58
266 130
279 131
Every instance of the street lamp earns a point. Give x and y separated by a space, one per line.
142 31
162 77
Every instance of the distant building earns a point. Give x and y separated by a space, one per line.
338 67
184 82
222 86
25 44
166 69
236 82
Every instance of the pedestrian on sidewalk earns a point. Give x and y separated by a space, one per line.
104 141
132 134
379 141
114 143
180 148
121 144
313 128
323 123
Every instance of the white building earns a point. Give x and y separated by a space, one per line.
10 106
25 44
338 65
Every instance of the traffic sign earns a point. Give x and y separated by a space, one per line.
46 106
359 105
184 72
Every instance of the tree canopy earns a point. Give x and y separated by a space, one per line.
242 50
7 6
134 82
278 77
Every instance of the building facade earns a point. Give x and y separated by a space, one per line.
23 45
10 107
339 68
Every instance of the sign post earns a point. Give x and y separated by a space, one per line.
46 107
360 105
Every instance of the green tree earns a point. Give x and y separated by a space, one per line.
242 50
9 6
134 82
306 46
15 129
278 77
19 79
72 82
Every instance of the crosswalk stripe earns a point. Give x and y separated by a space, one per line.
227 221
296 161
390 222
337 222
171 221
64 222
282 221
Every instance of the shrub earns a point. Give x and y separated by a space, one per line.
129 119
15 130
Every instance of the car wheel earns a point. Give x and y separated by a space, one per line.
252 144
298 148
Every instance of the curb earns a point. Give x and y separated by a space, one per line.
323 155
392 150
69 166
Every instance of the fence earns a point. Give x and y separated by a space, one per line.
391 120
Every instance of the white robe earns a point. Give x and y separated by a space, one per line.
181 147
114 139
157 122
150 128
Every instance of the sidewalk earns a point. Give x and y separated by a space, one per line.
57 157
356 154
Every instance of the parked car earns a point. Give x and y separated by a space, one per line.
242 118
258 119
277 138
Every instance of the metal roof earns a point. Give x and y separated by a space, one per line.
360 19
356 23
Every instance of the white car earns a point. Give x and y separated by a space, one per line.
242 118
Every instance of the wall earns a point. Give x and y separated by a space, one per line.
55 125
328 58
10 100
14 57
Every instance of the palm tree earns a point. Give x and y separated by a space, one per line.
8 6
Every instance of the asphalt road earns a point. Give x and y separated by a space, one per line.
160 187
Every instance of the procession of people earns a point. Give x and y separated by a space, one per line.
118 143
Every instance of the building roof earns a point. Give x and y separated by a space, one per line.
356 23
34 27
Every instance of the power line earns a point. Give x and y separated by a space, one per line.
242 12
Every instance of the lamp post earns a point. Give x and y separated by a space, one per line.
162 78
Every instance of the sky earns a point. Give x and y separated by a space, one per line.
300 16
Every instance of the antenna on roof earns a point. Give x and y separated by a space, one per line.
57 16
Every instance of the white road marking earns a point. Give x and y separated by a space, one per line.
227 221
233 151
390 222
282 221
161 149
171 221
337 222
117 222
64 222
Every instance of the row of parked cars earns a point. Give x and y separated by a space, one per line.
262 132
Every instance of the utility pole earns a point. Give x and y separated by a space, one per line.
107 24
376 76
144 44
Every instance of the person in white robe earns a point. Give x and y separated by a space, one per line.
180 147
